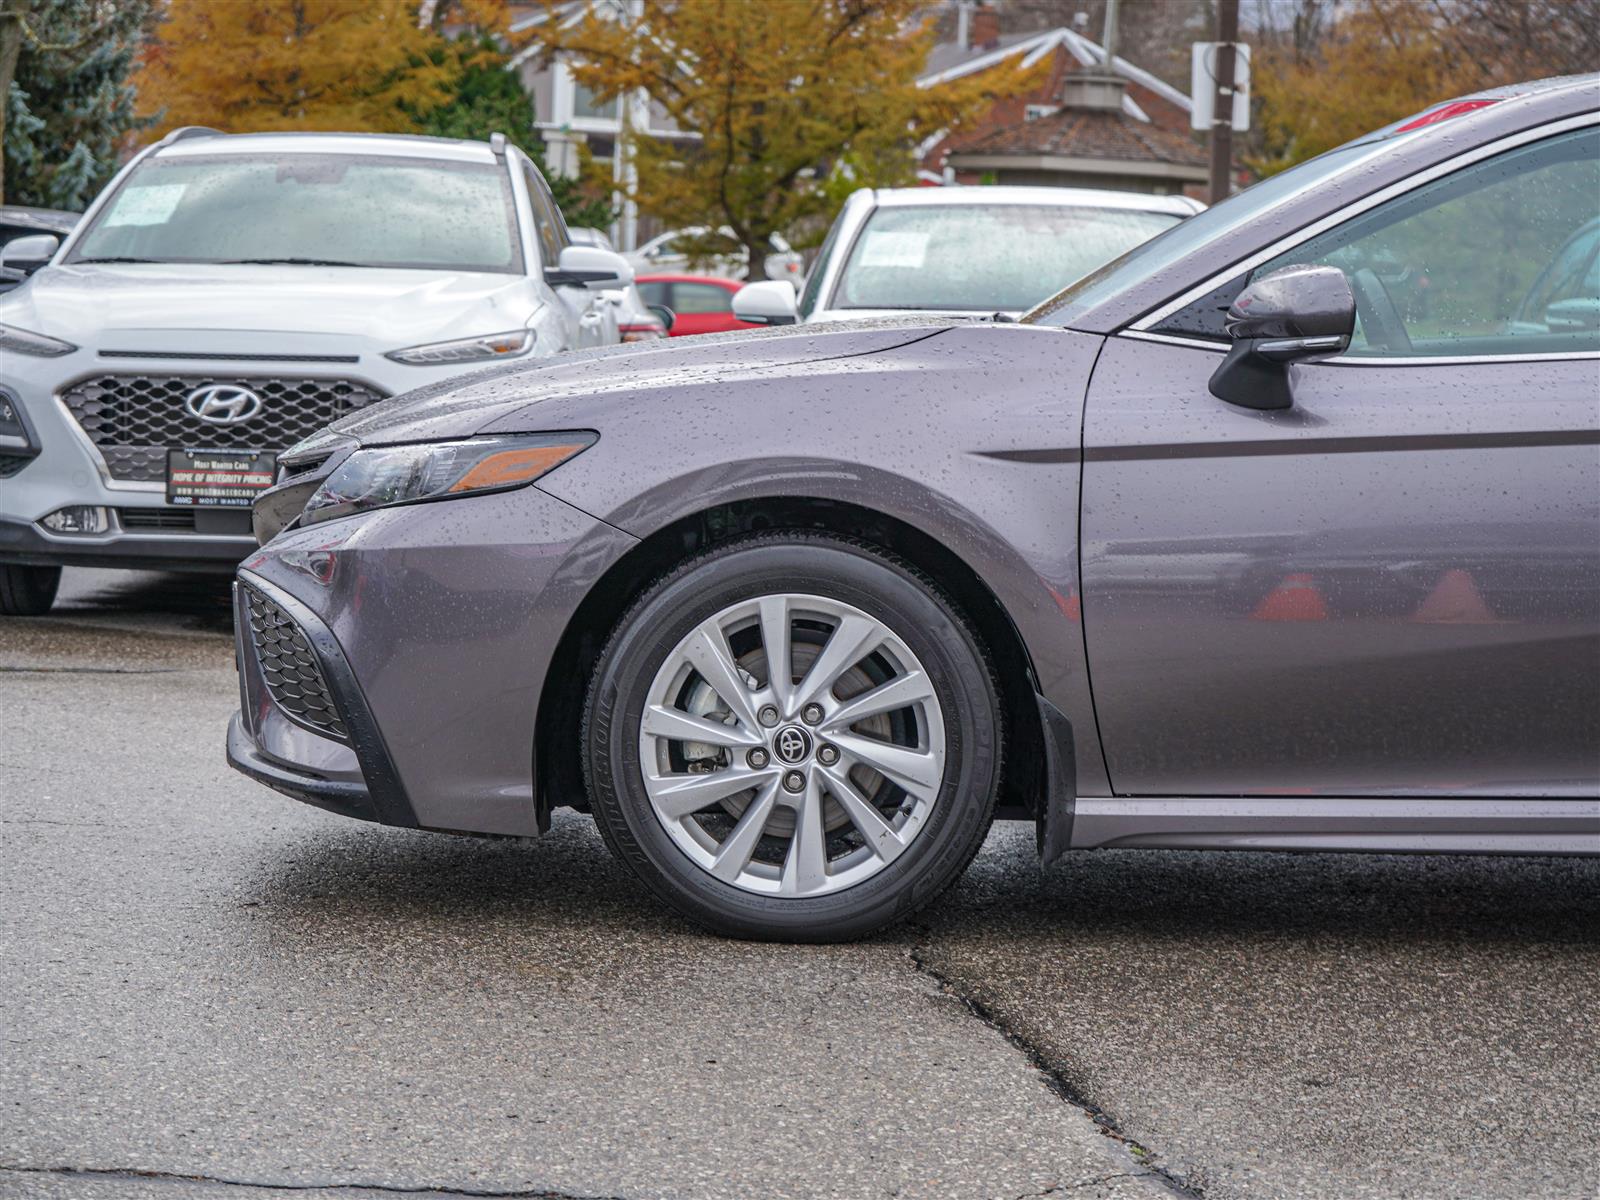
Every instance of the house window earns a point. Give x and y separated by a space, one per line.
584 104
1034 111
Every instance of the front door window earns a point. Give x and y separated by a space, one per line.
1494 259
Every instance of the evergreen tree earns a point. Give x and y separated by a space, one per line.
68 99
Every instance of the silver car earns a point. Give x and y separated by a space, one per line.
961 250
666 254
228 295
636 320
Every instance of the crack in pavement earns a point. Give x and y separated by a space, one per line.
1083 1183
1057 1083
381 1189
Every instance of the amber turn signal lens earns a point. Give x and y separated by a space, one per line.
511 467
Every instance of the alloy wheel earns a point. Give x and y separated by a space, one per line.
792 745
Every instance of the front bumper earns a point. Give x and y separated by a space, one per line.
64 461
430 628
345 797
350 773
24 542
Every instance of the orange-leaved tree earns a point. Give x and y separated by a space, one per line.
1342 69
793 101
295 64
1377 63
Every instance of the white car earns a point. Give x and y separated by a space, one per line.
664 255
636 320
226 296
974 251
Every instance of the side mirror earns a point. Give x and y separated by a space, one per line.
1294 315
770 302
589 267
667 316
28 254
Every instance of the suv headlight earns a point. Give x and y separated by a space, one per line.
472 349
24 341
383 475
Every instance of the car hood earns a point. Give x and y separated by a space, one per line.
131 306
509 397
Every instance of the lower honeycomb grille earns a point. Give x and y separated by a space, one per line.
290 669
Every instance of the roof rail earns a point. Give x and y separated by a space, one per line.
497 143
189 131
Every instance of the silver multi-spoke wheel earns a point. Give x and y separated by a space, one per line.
792 745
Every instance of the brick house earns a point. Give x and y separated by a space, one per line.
1083 126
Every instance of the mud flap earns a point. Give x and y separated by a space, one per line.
1060 789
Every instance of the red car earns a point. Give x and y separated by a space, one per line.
702 303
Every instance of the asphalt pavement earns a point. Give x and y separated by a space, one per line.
211 991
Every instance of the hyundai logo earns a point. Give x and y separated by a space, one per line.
792 744
223 403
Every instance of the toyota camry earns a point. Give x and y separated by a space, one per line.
1281 531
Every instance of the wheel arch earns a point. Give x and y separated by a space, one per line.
557 750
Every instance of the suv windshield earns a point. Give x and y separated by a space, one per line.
348 210
983 258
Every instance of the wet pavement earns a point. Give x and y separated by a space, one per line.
213 991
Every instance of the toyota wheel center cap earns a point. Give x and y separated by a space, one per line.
792 744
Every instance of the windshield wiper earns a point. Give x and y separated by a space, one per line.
293 262
121 258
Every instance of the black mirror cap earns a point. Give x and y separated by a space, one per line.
1295 302
1293 315
667 317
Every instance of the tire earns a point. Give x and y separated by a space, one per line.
819 867
27 591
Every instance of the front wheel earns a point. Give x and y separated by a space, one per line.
27 591
794 737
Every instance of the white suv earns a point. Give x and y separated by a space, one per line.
226 296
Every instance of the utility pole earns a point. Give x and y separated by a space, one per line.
1222 110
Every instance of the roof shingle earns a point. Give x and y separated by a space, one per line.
1087 133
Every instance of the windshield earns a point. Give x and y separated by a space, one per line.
348 210
983 258
1145 260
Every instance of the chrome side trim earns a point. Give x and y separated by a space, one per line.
1391 826
1306 233
1171 339
1443 360
1373 360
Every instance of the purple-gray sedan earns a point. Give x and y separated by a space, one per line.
1281 531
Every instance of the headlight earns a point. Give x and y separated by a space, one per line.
473 349
26 342
384 475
